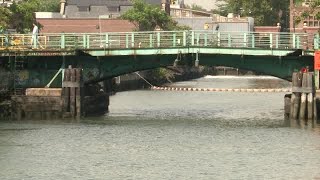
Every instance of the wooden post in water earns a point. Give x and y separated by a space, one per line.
315 110
303 102
66 94
295 98
287 100
310 86
72 93
79 93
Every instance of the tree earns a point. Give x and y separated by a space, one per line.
195 7
5 14
265 12
22 13
147 17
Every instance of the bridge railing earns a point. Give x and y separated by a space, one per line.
164 39
135 40
274 40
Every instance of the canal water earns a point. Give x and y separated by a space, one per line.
169 135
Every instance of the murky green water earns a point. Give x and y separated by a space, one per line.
168 135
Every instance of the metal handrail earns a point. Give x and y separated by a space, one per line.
163 39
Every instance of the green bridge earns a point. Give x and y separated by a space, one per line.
107 55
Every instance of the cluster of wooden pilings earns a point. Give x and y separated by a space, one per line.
301 106
72 92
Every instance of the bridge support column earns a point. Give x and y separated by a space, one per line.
196 63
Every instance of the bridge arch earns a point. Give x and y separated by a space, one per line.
281 67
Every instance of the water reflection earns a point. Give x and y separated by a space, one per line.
269 83
303 124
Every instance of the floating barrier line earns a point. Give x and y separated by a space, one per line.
220 89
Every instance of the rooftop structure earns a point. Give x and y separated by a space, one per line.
96 8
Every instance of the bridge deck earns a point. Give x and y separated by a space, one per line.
160 42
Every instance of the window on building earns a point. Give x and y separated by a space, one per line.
83 8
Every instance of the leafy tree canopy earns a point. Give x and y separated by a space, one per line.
5 14
147 17
20 15
195 7
265 12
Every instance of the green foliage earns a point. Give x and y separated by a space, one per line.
5 14
147 17
195 7
305 14
181 27
315 3
297 19
317 16
22 13
49 5
162 74
265 12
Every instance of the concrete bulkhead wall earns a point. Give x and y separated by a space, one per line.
71 101
36 107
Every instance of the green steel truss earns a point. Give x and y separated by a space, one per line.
108 55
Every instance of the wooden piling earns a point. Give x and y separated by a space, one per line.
295 98
66 92
303 101
310 85
72 92
78 93
315 110
19 113
287 100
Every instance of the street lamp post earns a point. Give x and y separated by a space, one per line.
100 27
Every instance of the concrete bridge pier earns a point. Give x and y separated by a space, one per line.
109 86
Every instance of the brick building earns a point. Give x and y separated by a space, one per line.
309 24
84 25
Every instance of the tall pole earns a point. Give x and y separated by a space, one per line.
294 25
99 25
100 31
292 16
